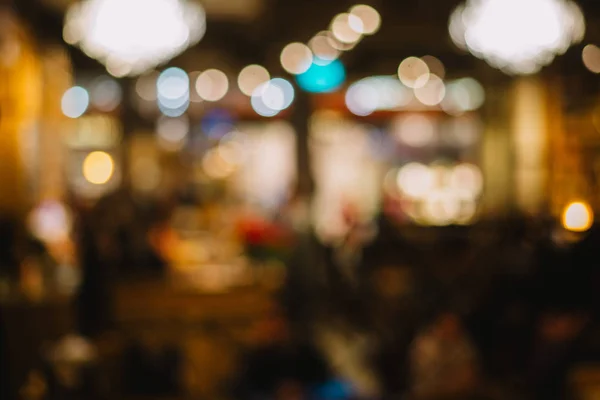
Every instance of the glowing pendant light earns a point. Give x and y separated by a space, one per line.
133 36
517 36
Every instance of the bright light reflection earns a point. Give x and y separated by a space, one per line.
75 102
518 37
133 36
98 167
578 217
296 58
252 77
212 85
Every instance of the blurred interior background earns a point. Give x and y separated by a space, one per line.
299 199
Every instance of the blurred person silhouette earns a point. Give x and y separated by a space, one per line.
443 361
281 365
9 234
152 368
559 346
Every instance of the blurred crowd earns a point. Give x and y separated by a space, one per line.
499 311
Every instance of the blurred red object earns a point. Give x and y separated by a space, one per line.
255 231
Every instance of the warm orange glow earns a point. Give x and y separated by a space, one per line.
578 217
98 167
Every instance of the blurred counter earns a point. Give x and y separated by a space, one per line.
208 330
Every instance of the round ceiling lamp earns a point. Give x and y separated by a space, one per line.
516 36
133 36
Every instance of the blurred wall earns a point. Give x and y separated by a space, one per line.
20 90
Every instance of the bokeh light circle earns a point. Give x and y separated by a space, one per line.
98 167
75 102
433 92
212 85
347 28
251 77
296 58
370 18
413 72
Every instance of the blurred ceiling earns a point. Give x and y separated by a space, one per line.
240 32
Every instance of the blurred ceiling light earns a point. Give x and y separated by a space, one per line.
323 49
413 72
106 94
296 58
212 85
415 130
416 180
172 132
463 95
435 66
433 92
370 18
591 58
347 28
133 36
75 102
98 167
251 77
145 86
518 37
173 92
578 217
